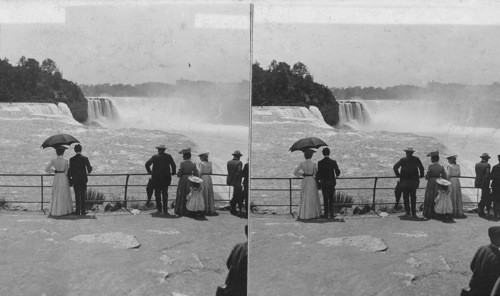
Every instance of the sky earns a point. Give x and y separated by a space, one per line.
385 43
132 42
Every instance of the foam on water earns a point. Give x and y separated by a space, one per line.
289 114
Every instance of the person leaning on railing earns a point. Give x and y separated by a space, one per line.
409 178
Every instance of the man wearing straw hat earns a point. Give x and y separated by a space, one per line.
163 168
482 181
409 177
234 174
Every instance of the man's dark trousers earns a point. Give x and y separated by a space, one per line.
80 194
410 193
161 195
328 190
237 199
485 201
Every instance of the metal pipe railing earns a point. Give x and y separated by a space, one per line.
126 186
374 203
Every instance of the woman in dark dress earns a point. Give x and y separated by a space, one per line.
186 169
434 172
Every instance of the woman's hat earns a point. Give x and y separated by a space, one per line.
161 147
448 157
409 149
433 153
237 153
203 153
443 182
185 150
61 147
485 155
195 179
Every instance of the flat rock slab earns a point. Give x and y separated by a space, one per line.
117 239
365 242
412 234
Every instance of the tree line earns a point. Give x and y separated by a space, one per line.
284 85
432 90
30 81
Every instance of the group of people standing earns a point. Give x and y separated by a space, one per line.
443 195
323 176
195 193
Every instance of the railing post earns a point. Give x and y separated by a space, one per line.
374 192
41 186
290 183
229 197
126 187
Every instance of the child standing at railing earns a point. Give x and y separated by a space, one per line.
444 205
195 203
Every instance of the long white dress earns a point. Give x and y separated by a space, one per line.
310 204
61 203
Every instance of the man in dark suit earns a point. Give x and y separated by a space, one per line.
409 177
79 167
328 171
234 175
163 169
482 181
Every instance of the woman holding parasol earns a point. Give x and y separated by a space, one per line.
310 204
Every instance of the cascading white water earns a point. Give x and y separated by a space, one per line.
65 109
352 112
289 114
42 110
99 109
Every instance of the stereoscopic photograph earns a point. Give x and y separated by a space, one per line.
124 146
374 148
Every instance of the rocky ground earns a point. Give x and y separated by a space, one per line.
362 255
115 253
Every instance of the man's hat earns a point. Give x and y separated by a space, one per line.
161 147
448 157
195 179
237 153
485 155
494 232
409 149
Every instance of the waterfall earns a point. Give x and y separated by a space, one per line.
288 114
99 109
352 112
